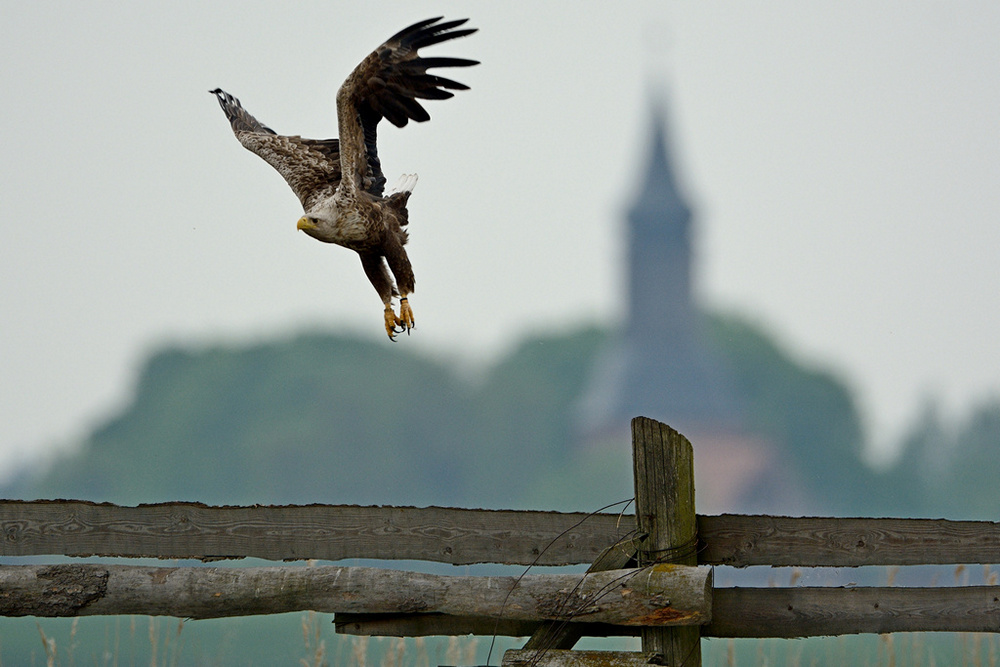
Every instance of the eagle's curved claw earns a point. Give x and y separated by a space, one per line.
405 318
404 322
391 322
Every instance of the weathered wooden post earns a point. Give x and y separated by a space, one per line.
663 465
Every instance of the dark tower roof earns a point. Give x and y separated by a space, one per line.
660 365
659 205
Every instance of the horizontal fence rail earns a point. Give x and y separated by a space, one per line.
301 532
669 602
464 536
741 540
660 595
375 601
753 612
810 611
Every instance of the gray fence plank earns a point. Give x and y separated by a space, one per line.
466 536
323 532
810 612
739 540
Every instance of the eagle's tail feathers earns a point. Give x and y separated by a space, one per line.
406 183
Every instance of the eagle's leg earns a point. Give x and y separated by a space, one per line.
405 319
392 322
378 274
399 264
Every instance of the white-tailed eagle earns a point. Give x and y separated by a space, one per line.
340 182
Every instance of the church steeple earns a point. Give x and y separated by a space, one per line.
660 365
659 201
659 245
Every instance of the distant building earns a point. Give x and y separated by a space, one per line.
661 365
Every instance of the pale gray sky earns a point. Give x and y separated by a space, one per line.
843 160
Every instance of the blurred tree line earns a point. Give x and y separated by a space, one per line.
949 470
331 418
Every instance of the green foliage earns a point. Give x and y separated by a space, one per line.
314 419
330 419
524 415
975 466
324 418
950 470
809 412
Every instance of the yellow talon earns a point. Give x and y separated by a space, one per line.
405 318
391 322
404 322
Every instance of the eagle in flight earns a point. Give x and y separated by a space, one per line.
339 181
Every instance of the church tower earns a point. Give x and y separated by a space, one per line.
661 363
659 248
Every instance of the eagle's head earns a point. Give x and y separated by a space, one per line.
320 220
307 224
317 226
329 225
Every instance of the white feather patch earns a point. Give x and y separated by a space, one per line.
405 183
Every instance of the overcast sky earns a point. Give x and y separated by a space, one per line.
842 160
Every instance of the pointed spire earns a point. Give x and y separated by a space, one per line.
659 249
659 200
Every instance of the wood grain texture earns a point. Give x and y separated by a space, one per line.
663 466
740 540
322 532
810 612
566 658
661 595
466 536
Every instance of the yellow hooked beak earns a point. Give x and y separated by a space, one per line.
305 223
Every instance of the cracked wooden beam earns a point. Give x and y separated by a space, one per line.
659 595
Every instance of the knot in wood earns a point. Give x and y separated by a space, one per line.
13 532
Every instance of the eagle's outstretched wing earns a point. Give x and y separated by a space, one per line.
387 84
311 167
340 181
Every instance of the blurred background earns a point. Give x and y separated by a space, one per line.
771 226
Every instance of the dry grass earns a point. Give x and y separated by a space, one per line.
315 645
164 637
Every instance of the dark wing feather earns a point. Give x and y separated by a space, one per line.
374 180
387 84
391 80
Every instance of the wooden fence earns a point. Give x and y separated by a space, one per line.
648 571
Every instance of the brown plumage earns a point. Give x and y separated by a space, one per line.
339 181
